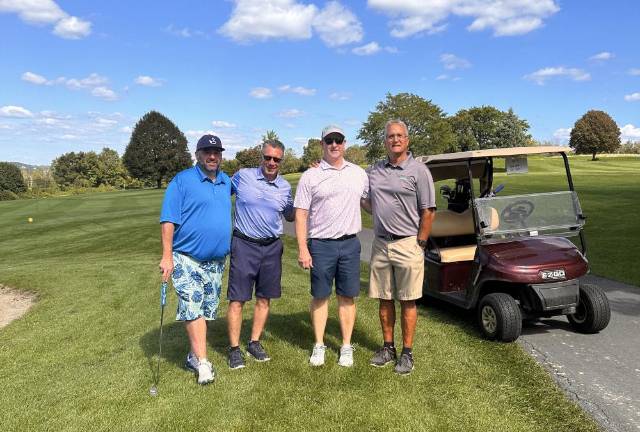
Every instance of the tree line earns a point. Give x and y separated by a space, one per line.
157 149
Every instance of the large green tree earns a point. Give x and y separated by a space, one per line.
157 150
11 178
110 170
312 152
290 162
356 154
251 157
487 127
76 169
429 131
595 132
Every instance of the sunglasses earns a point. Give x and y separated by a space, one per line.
337 140
271 158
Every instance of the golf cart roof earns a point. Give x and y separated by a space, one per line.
502 152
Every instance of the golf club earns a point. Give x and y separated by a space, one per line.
163 300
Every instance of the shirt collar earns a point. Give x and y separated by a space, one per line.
260 176
401 165
203 177
326 165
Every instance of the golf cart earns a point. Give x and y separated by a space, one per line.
509 257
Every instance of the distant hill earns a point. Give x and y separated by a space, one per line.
29 168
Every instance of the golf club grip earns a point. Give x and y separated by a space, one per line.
163 294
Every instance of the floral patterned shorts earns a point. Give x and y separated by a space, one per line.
198 285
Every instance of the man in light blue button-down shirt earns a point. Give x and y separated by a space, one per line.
262 198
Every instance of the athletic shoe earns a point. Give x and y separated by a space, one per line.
383 357
346 356
205 372
255 350
235 359
317 356
404 365
191 363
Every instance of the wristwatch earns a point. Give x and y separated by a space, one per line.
422 243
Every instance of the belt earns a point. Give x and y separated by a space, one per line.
390 237
262 241
344 237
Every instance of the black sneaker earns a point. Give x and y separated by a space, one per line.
235 359
383 357
404 365
255 350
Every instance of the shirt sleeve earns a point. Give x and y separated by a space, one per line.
303 193
235 182
365 191
172 204
426 189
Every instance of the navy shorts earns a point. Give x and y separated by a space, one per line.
254 264
335 259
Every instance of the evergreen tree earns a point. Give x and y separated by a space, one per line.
157 150
11 178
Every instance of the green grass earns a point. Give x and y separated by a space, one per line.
83 357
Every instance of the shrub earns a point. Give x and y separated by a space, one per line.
6 195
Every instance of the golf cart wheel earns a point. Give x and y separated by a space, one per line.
499 317
593 312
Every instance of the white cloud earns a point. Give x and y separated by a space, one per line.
302 91
148 81
222 124
72 28
260 20
40 12
368 49
542 75
34 78
340 96
630 132
602 56
505 17
562 135
266 19
126 129
290 113
93 80
184 32
69 136
634 71
633 97
261 93
452 62
15 112
336 25
442 77
104 93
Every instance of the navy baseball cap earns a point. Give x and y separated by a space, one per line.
209 141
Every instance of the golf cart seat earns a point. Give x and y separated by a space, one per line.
447 227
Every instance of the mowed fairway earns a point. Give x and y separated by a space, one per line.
83 357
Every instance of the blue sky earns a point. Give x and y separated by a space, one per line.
77 75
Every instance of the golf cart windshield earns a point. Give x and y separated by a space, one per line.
552 213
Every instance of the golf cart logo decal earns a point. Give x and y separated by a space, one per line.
557 274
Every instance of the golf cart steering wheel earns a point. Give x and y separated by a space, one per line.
517 212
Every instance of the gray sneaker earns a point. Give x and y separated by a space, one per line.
235 359
317 356
346 356
255 350
404 365
191 363
383 357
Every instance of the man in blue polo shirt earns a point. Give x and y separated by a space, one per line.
262 198
196 231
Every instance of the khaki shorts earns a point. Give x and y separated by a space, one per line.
396 269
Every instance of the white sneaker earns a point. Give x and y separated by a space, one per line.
346 356
205 372
317 356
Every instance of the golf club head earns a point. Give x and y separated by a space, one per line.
153 391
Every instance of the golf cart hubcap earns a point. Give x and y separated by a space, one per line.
489 319
581 314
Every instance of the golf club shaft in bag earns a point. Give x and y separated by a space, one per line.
163 302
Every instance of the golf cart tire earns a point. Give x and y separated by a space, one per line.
499 317
593 312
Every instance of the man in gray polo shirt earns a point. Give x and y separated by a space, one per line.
402 202
327 207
